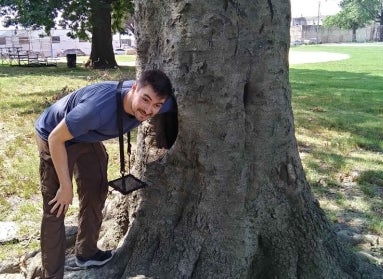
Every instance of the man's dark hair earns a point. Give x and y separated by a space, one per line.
158 80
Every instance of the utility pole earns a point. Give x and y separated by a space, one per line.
318 22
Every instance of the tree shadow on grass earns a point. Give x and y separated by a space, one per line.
373 183
62 70
36 102
340 100
348 104
359 226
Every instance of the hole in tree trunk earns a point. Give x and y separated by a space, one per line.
166 129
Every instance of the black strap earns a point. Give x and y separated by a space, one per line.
120 130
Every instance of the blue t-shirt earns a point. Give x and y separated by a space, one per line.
91 113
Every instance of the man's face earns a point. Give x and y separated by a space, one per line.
146 103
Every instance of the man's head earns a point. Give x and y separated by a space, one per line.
149 94
158 80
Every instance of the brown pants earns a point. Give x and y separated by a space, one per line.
88 163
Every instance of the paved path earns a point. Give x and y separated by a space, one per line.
300 57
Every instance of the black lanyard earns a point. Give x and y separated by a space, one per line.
120 131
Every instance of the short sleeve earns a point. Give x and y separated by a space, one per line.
82 119
169 105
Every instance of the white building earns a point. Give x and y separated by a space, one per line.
53 45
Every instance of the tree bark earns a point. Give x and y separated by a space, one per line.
102 55
354 34
230 198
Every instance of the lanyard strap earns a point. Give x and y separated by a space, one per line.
120 131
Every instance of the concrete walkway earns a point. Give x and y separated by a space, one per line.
301 57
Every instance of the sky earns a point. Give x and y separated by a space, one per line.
310 7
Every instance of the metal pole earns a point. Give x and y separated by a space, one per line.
318 22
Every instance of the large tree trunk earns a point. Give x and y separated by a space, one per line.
102 55
230 198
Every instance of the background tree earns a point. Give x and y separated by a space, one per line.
93 20
356 14
230 198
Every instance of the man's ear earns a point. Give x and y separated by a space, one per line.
134 87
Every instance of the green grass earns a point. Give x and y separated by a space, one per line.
343 96
338 110
120 59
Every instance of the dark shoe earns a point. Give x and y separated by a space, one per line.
99 259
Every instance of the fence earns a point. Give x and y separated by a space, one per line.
322 34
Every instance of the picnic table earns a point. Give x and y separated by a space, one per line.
19 57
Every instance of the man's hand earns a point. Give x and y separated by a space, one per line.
62 200
56 141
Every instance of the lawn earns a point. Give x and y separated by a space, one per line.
121 59
338 121
338 117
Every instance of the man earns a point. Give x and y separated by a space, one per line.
69 140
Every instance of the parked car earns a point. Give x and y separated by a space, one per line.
127 51
119 51
296 43
312 41
76 51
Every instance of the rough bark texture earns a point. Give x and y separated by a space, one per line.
229 199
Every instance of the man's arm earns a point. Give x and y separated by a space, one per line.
59 155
